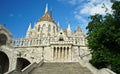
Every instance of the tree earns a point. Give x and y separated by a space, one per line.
104 39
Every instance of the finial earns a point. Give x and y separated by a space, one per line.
46 9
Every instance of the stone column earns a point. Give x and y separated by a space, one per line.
59 53
52 53
70 54
55 53
65 53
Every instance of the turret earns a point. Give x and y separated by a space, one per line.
58 26
28 31
69 30
78 29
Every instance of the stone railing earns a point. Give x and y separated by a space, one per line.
93 69
30 67
27 69
61 42
31 42
26 42
106 71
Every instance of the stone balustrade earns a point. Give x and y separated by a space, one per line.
61 42
26 42
35 42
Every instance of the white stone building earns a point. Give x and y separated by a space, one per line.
45 41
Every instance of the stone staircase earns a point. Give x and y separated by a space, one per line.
61 68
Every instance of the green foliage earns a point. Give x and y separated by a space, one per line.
104 39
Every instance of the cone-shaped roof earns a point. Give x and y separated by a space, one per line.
47 16
79 29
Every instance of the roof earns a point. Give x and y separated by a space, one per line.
47 17
79 29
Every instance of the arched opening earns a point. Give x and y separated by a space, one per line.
61 39
4 63
21 63
3 39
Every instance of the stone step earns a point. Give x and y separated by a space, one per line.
60 68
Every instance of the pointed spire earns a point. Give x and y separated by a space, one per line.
79 29
46 9
28 31
69 28
58 24
29 28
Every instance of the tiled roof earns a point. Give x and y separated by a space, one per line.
47 17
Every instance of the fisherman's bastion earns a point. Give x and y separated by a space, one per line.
46 49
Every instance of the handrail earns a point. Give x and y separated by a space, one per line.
27 69
106 71
110 71
93 69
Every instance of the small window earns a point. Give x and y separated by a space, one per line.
54 29
49 28
61 39
38 28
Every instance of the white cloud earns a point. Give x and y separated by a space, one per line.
72 2
84 8
96 7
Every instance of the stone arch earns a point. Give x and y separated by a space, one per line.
5 33
4 63
22 63
3 39
61 39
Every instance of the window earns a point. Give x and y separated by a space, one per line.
61 39
38 28
60 32
49 28
54 29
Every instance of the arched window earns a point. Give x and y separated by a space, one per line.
49 28
44 28
61 39
38 28
54 29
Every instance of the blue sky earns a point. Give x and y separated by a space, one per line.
16 15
